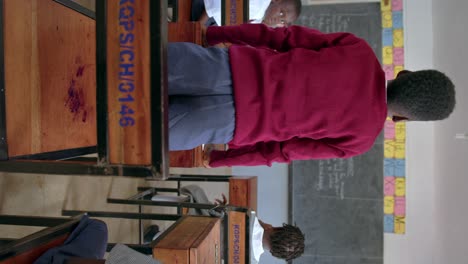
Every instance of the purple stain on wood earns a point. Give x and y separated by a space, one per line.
85 115
75 101
80 71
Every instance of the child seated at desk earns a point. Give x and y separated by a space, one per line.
284 242
273 13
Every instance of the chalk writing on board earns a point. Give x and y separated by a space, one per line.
326 22
333 174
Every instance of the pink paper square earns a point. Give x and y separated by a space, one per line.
400 206
389 186
389 130
397 5
389 72
398 56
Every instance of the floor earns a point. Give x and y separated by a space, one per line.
47 195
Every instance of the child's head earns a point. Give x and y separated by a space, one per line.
282 13
420 96
285 242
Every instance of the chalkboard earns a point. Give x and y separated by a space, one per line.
361 19
338 203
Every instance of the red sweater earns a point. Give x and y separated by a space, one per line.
300 94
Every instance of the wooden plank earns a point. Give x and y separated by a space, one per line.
236 238
243 192
49 76
193 239
207 249
128 60
185 32
32 255
168 256
182 159
184 11
184 235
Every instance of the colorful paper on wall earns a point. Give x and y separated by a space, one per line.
395 133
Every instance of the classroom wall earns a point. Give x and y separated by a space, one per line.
435 35
417 245
451 179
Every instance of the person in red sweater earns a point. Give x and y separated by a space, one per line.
294 93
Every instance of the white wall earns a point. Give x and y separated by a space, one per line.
416 246
272 196
451 181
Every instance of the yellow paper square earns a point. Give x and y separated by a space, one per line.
389 204
386 5
400 186
400 149
397 69
400 225
389 148
400 131
387 20
387 53
398 38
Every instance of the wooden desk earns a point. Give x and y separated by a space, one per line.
74 86
191 240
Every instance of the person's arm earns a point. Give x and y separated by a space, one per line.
265 153
280 39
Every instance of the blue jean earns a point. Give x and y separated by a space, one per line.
201 104
88 240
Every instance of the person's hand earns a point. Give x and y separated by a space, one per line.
203 19
206 155
223 45
220 207
221 202
204 40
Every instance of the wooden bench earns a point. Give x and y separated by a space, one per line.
29 248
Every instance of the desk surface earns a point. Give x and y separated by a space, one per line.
192 239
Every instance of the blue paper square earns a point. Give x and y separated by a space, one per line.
387 37
389 167
389 224
397 17
400 168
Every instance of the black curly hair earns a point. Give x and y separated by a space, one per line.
287 242
422 95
